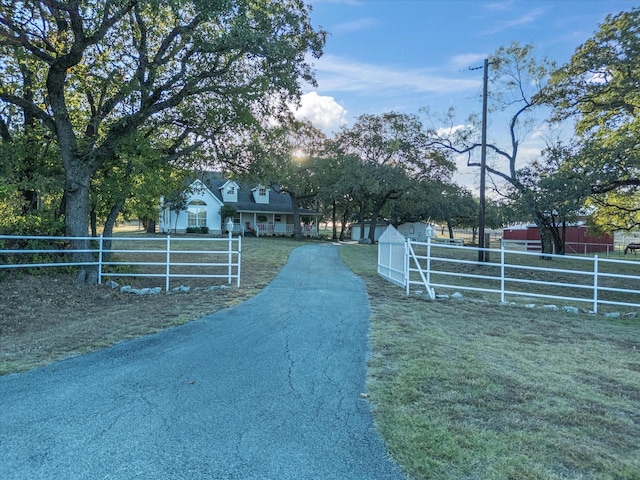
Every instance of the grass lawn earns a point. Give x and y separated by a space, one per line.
473 389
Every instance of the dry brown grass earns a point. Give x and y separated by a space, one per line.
44 318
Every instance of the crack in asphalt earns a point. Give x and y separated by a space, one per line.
268 389
291 366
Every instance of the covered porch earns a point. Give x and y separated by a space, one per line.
273 224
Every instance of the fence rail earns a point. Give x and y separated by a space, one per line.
571 248
162 257
585 279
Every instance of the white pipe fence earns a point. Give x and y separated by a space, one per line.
163 257
577 248
586 279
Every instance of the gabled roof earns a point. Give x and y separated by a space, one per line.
278 202
221 187
202 187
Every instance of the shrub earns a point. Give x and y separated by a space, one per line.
197 229
36 257
31 224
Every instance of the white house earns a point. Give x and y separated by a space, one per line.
259 210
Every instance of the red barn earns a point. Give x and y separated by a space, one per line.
576 242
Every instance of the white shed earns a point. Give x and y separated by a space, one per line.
380 228
414 230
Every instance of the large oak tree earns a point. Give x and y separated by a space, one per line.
111 67
600 89
393 148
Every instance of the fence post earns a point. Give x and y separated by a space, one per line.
595 284
167 270
502 297
239 259
428 260
405 273
100 260
230 255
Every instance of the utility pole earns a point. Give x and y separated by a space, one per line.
482 255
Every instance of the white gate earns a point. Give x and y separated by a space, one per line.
425 273
392 256
395 253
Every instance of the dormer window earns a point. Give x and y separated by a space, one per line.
260 194
229 192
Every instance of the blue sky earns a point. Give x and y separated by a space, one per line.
402 55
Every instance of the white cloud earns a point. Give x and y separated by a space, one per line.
322 111
525 19
468 60
355 26
339 74
499 6
450 131
599 78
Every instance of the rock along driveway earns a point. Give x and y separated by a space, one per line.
269 389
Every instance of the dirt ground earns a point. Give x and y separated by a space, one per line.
45 318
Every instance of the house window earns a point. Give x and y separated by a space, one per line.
277 218
197 214
231 190
262 192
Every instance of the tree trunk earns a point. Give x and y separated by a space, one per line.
175 225
372 226
109 224
77 208
112 217
30 201
93 221
297 230
78 170
345 216
374 219
558 238
77 223
450 229
546 240
334 218
361 220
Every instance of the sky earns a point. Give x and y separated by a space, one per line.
404 55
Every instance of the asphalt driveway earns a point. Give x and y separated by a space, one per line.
270 389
